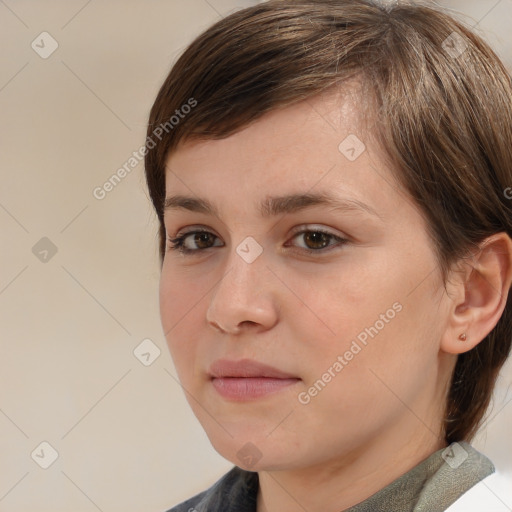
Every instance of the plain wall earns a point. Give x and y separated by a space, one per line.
70 321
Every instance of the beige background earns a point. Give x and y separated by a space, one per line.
125 437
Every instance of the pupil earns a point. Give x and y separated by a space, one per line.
319 240
202 238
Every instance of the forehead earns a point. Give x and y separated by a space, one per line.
317 145
340 108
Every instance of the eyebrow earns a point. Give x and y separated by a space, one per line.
273 206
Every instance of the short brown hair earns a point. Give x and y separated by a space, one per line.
444 119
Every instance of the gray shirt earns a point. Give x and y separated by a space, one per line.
431 486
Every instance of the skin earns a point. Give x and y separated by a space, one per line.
382 413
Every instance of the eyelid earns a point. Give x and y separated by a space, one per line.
295 231
194 229
316 227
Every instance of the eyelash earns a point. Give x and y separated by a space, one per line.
177 244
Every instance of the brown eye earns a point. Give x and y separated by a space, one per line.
203 239
193 242
316 239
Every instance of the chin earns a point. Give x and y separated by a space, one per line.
258 454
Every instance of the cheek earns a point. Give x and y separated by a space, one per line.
343 304
359 386
371 320
181 312
180 296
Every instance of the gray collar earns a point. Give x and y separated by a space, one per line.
431 486
434 484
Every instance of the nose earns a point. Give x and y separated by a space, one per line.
245 298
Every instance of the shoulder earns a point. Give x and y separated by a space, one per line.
236 490
492 494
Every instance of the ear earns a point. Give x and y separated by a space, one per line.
480 289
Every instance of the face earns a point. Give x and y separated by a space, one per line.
309 259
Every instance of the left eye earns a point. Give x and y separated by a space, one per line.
315 240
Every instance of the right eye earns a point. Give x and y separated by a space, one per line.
192 242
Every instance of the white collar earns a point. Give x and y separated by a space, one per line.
492 494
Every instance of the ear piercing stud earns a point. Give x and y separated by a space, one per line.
463 337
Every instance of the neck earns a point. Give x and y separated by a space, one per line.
343 482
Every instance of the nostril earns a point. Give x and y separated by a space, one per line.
248 323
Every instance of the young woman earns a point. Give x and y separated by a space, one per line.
330 179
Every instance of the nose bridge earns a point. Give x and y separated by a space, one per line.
242 295
244 269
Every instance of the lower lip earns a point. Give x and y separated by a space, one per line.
244 388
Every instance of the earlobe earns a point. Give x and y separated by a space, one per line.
480 295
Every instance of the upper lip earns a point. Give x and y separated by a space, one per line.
246 368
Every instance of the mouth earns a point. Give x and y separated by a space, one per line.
248 379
